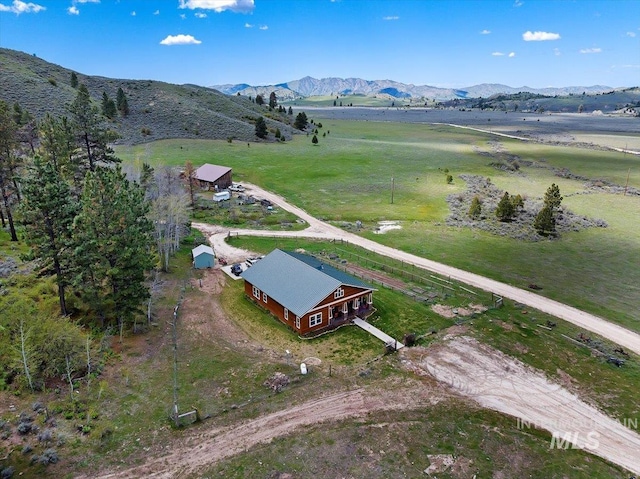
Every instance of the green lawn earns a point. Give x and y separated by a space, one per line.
349 175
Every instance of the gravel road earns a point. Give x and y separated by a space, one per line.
320 230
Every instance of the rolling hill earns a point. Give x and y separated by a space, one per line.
158 110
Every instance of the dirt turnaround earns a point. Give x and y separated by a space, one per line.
504 384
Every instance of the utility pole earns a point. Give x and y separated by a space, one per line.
393 184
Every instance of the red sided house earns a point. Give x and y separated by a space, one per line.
214 177
306 294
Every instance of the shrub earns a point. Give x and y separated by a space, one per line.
52 81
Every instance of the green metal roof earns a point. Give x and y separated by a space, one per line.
297 281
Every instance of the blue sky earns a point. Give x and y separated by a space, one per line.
443 43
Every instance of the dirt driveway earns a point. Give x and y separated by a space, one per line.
504 384
320 230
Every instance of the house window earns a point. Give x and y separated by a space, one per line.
339 293
315 319
256 292
356 303
286 314
264 297
345 308
297 322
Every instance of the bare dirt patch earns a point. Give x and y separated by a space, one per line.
453 311
504 384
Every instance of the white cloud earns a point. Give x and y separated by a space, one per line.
238 6
200 15
133 14
157 12
631 34
512 54
485 32
19 7
264 27
498 54
557 52
248 25
183 16
529 36
591 50
391 17
180 40
73 10
518 3
86 1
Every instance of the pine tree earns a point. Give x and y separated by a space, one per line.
314 140
8 159
301 121
545 223
273 101
48 211
112 238
259 100
552 197
74 80
92 137
122 103
476 208
505 209
261 128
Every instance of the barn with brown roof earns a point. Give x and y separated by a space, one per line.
214 177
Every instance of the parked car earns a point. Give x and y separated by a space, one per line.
252 261
236 187
236 269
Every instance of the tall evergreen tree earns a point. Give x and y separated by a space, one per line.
74 80
273 101
545 222
261 128
48 210
505 209
112 237
93 138
552 197
476 207
58 145
8 159
122 103
259 100
301 121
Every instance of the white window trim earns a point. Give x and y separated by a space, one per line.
264 297
356 303
339 293
286 314
297 322
345 307
256 292
315 319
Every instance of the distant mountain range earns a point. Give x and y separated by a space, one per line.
308 86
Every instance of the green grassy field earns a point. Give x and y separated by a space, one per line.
348 177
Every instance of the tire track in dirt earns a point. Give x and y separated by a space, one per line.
502 383
199 449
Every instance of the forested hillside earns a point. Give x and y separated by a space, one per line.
156 110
